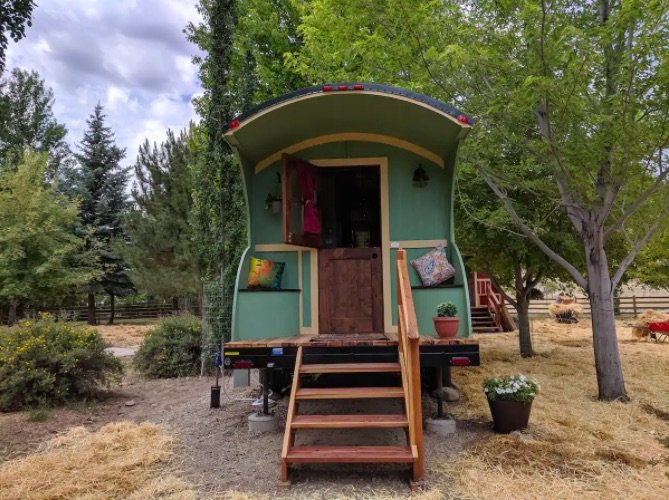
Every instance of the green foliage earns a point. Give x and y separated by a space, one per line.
219 214
27 122
161 254
14 16
100 185
511 388
40 257
39 414
171 349
44 362
447 310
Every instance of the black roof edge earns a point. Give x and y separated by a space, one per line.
377 87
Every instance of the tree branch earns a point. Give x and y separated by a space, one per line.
557 258
638 246
659 181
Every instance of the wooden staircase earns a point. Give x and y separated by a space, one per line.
483 320
409 392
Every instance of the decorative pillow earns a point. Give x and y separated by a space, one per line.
265 273
433 267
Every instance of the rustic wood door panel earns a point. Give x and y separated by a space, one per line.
350 290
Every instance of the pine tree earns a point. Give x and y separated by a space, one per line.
161 252
100 185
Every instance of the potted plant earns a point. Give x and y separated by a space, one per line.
510 401
446 322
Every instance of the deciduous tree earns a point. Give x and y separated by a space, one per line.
27 121
40 256
582 87
15 15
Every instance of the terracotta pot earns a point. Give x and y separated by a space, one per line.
566 299
447 327
509 416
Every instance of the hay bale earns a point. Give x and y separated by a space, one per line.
557 309
640 329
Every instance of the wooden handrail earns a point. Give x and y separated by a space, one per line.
494 304
408 345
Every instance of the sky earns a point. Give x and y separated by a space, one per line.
129 55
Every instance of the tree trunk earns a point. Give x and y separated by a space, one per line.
112 297
607 356
175 305
92 319
11 316
524 334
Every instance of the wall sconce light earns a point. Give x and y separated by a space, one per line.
420 177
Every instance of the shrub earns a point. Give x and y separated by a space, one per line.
44 363
172 349
447 310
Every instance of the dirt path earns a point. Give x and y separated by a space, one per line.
214 449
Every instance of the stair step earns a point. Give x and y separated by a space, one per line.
350 393
395 421
349 454
486 329
351 368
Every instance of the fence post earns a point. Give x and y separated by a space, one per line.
634 305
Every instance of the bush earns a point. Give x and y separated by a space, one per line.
172 349
45 363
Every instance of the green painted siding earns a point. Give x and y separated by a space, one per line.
267 314
415 214
426 301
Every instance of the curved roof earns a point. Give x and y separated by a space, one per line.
347 112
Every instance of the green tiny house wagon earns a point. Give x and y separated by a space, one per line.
377 164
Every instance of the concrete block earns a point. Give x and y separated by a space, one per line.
440 426
259 423
448 394
241 378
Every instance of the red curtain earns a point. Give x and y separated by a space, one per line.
306 177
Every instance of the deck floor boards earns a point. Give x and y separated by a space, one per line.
314 341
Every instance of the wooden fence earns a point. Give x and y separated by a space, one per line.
625 306
137 311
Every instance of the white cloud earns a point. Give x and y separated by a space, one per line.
129 55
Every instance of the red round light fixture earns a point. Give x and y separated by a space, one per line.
463 119
234 124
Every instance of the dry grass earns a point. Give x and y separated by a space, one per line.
121 460
124 335
578 447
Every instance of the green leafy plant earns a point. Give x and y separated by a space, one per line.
447 310
511 388
46 363
172 349
39 414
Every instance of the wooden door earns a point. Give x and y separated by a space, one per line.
350 288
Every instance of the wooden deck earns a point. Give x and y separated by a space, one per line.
389 339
